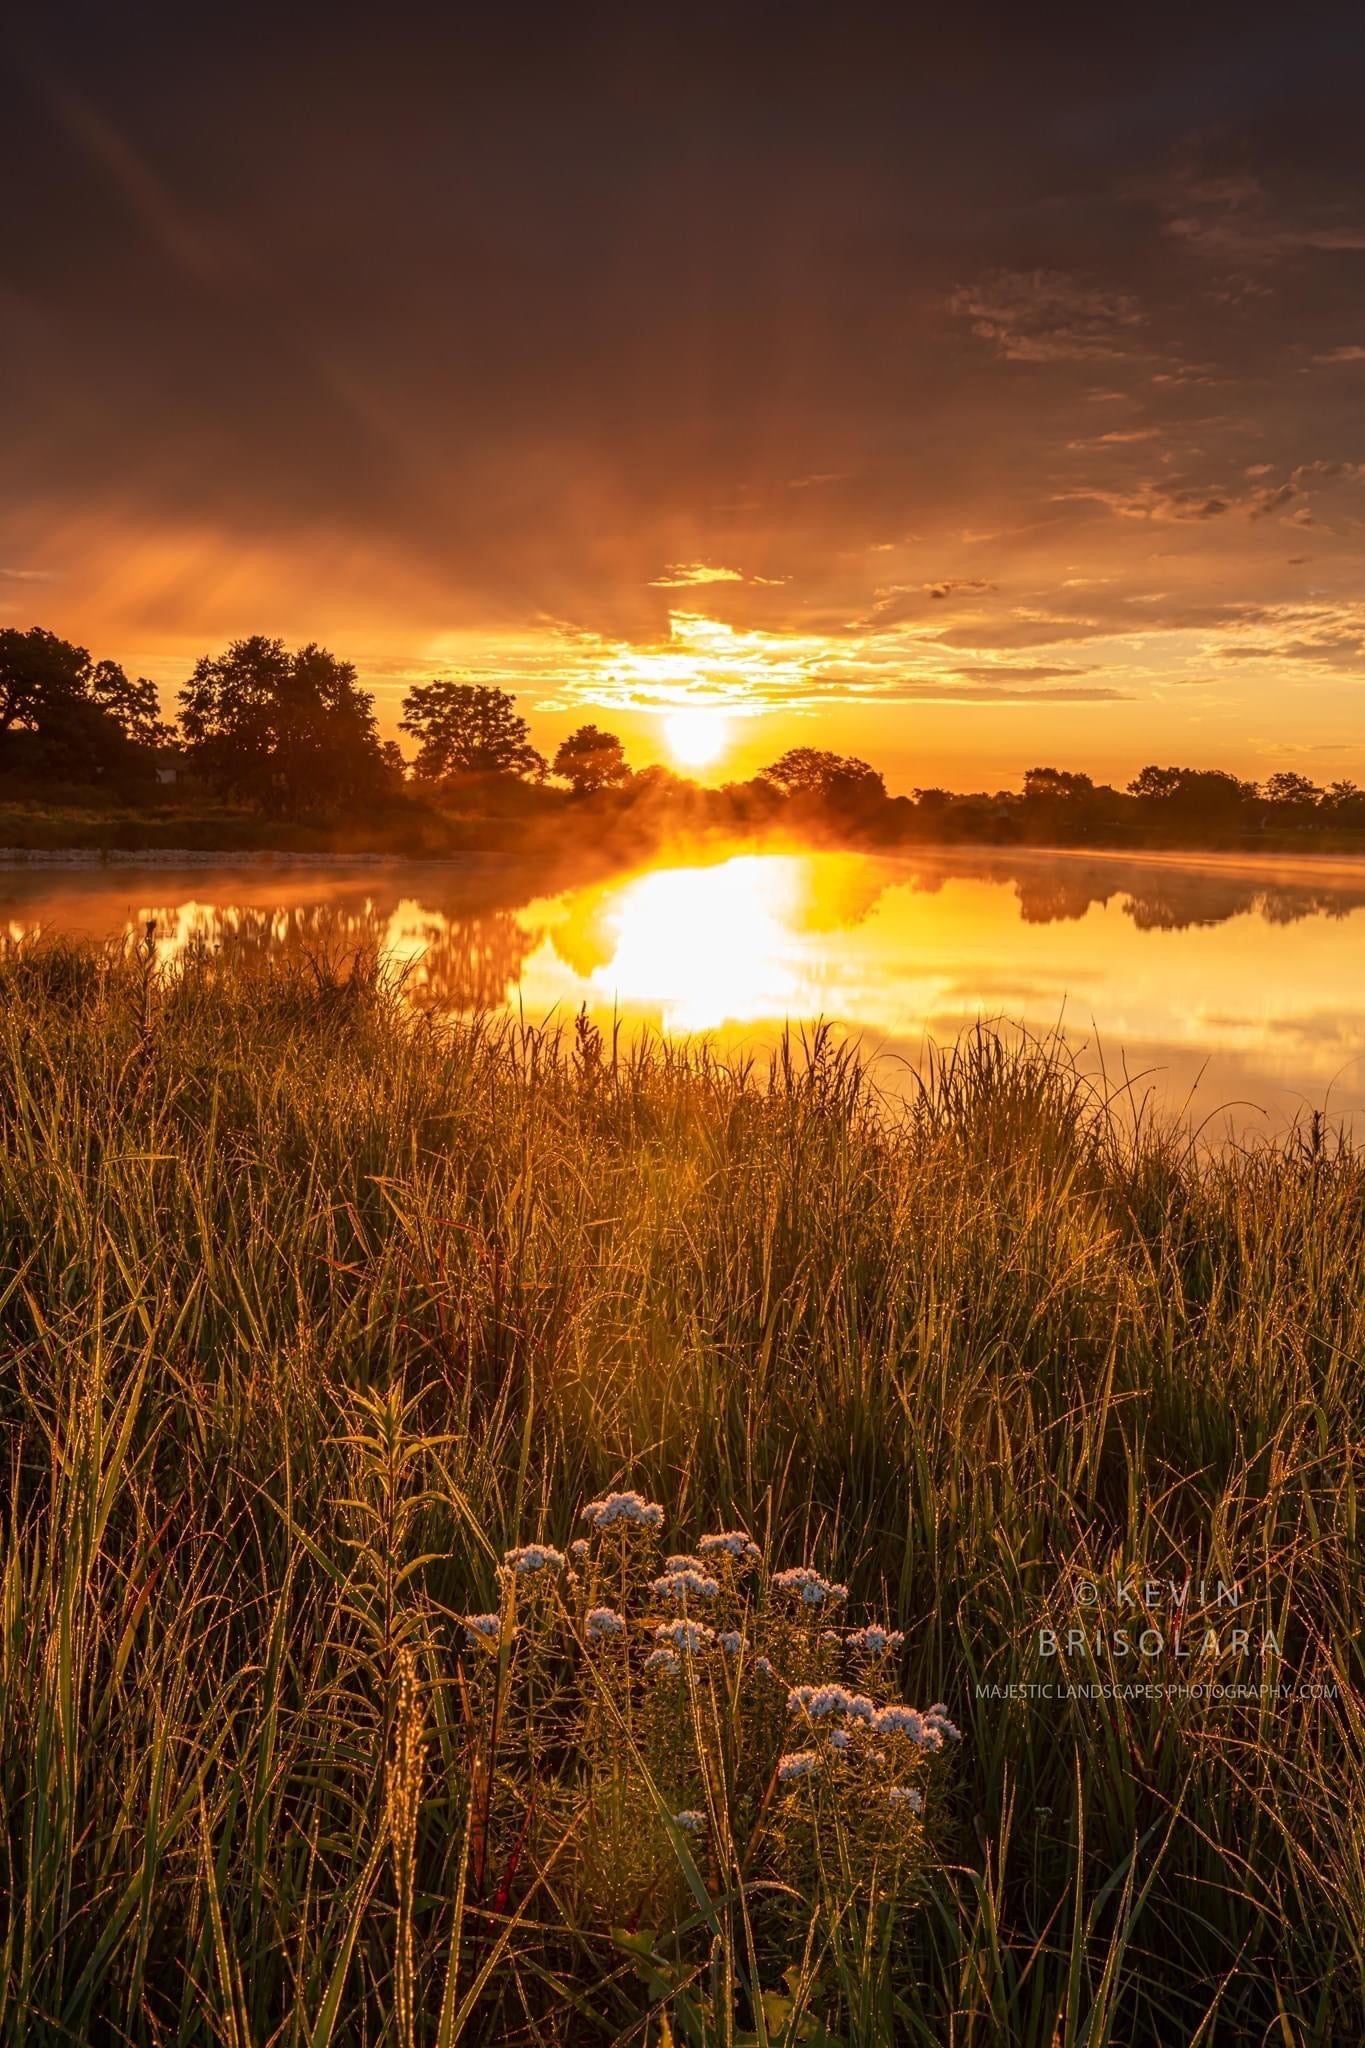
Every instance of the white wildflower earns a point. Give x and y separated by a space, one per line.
691 1821
763 1666
483 1627
839 1738
906 1795
820 1701
534 1557
605 1621
808 1587
733 1542
684 1635
797 1763
676 1585
662 1664
897 1720
937 1717
877 1641
732 1642
578 1549
624 1507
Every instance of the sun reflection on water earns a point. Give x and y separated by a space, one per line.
1243 977
702 947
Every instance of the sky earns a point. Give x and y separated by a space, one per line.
966 394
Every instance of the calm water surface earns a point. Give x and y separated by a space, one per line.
1234 988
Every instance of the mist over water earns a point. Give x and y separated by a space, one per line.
1230 989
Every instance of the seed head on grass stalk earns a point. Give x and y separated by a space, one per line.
402 1810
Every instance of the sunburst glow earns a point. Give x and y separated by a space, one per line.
696 734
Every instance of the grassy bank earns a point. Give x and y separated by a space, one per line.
206 827
311 1311
545 823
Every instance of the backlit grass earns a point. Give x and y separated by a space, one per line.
311 1310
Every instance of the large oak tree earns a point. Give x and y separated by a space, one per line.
288 730
66 717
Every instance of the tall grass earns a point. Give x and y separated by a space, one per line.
311 1308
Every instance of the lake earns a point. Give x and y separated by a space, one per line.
1231 988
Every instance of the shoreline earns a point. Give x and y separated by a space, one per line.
473 860
225 857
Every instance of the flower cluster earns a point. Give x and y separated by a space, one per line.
623 1507
534 1557
925 1731
730 1543
797 1763
684 1635
820 1701
765 1724
875 1641
806 1585
684 1578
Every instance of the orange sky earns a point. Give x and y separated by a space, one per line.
962 415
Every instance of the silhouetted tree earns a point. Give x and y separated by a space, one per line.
1193 797
1289 791
63 716
395 768
827 778
590 759
468 729
1154 785
1057 785
38 673
134 707
1344 803
290 731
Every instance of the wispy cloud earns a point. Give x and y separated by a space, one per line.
684 575
1046 316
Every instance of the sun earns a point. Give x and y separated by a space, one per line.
696 735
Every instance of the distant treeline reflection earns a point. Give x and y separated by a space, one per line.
462 945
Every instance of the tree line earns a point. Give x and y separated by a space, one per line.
292 734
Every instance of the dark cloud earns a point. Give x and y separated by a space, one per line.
508 343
